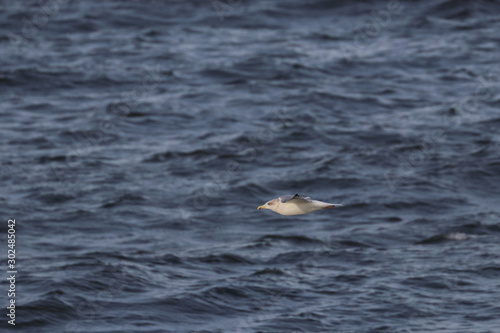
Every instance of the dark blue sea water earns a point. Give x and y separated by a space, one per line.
138 138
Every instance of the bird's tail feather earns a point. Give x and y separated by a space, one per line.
332 206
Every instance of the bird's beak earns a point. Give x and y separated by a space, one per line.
260 207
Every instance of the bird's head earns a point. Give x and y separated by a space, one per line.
271 204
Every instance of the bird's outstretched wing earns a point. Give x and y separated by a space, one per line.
297 197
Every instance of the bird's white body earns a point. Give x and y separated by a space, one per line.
296 205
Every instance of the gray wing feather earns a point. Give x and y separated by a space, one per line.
286 198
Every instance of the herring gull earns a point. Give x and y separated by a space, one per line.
296 205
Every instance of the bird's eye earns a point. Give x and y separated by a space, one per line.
269 203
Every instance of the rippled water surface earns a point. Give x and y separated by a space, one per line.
138 138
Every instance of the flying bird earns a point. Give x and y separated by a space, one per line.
296 205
